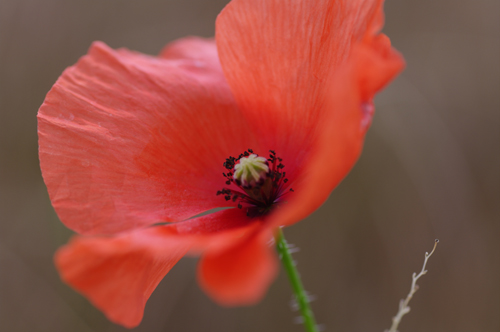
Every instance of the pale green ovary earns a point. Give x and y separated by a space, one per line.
250 169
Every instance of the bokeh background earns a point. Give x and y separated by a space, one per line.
430 169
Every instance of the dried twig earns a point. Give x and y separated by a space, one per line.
403 304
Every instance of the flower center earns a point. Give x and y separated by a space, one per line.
261 182
251 171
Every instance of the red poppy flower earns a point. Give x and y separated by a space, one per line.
133 146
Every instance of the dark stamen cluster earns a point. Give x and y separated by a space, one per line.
229 165
260 198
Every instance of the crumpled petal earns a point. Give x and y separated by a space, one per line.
119 273
199 52
373 64
277 56
242 274
128 140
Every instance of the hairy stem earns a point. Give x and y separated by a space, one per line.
297 287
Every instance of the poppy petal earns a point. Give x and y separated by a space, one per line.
127 140
277 56
192 48
200 54
374 63
119 273
242 274
216 232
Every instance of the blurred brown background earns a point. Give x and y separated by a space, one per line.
430 169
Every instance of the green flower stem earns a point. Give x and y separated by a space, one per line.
298 289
